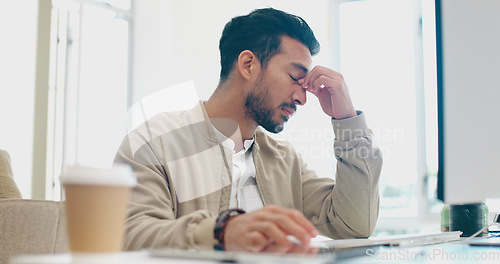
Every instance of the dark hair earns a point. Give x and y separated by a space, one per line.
261 32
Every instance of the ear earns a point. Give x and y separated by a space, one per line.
248 64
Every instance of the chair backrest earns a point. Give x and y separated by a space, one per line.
28 226
8 188
31 227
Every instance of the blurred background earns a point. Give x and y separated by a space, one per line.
73 71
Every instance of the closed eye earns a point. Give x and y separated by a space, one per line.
295 80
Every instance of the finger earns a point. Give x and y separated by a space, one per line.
310 75
274 248
303 221
315 93
290 226
256 242
299 219
316 85
272 232
323 82
314 74
301 83
317 72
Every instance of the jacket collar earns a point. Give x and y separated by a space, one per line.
199 118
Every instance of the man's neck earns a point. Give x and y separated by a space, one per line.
230 105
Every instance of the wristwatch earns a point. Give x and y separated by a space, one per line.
220 225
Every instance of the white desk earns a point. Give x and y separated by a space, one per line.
131 257
440 253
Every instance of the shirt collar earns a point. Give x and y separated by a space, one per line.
248 143
229 143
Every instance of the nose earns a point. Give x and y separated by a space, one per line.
299 95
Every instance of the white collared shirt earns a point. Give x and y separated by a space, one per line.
244 192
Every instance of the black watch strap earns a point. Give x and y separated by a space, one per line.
220 225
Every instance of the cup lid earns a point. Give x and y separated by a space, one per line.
119 174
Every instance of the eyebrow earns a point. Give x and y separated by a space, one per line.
300 67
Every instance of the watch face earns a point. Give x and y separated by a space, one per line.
233 213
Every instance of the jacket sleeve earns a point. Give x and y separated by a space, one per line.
347 207
152 218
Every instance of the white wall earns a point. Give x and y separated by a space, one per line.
18 24
177 41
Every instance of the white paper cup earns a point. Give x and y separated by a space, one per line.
96 207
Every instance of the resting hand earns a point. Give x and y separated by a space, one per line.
330 88
266 230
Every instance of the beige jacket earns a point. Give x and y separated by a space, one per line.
183 182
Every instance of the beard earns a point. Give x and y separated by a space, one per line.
259 107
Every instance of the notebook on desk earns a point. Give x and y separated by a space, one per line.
405 240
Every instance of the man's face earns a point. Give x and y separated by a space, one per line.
275 94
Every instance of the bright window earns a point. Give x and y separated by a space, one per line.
381 51
93 57
18 25
102 91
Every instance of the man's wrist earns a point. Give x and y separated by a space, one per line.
221 223
350 128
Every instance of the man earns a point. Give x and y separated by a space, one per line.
197 169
